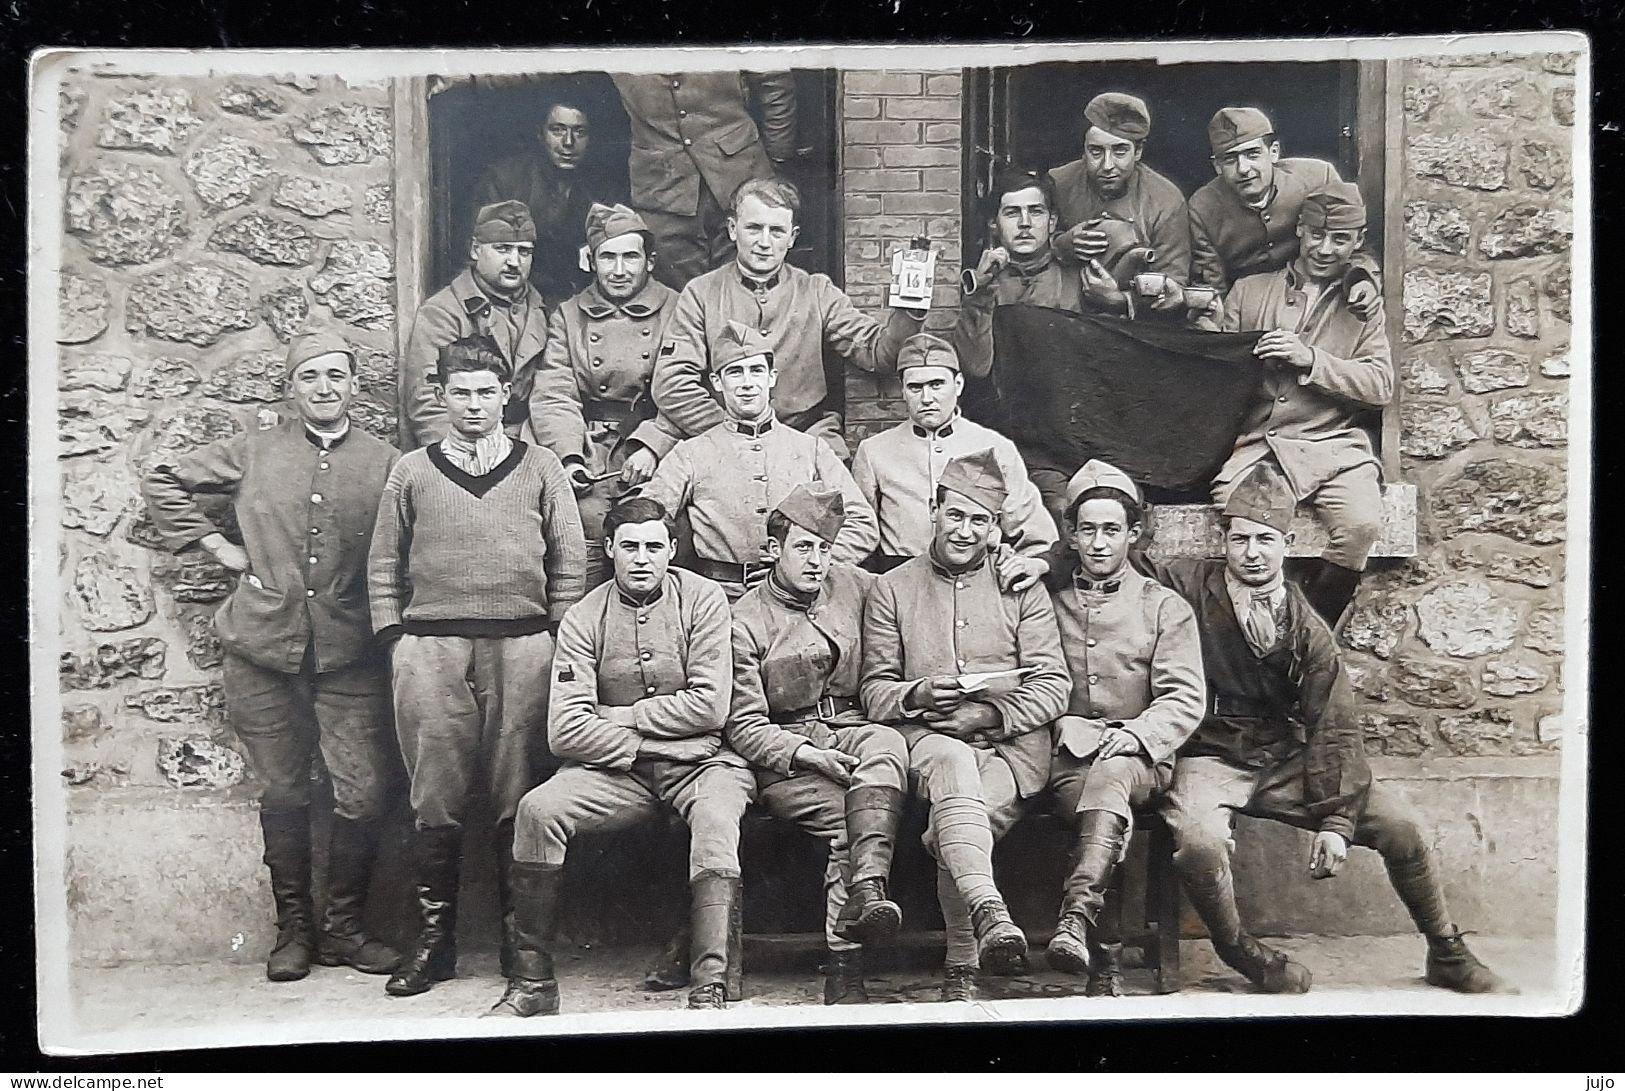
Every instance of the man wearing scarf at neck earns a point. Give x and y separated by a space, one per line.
972 676
1135 659
494 297
797 719
730 476
301 668
1281 739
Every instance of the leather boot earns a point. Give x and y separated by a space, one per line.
999 943
872 815
710 920
843 978
1105 970
1269 970
502 849
1452 966
958 983
534 899
669 970
437 858
1100 842
351 849
1330 590
287 855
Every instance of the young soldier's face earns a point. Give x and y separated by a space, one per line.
1326 253
802 561
1254 552
1023 222
321 389
745 386
502 266
474 401
931 394
641 553
964 529
621 266
764 234
1102 534
1249 168
565 136
1109 161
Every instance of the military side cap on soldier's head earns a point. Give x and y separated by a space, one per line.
816 508
309 345
1236 125
926 350
1096 474
1262 496
605 222
737 342
1336 206
977 477
1120 115
505 221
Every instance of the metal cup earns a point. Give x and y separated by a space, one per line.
1200 299
1150 284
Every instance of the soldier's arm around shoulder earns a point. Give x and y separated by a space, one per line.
170 489
678 382
1366 376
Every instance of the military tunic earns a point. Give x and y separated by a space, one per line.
1152 203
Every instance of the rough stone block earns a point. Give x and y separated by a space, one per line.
248 377
104 371
1447 304
179 704
1474 160
1561 63
110 594
1543 164
252 100
1556 286
165 378
202 642
81 722
285 309
1500 496
70 107
1441 228
1466 619
269 240
1396 736
1492 369
1420 99
154 120
1488 731
1531 420
124 215
345 133
107 664
1526 230
88 424
1543 632
1515 675
95 495
1510 98
198 762
226 171
1376 624
193 577
1527 569
1522 309
1432 683
82 306
1367 681
185 429
1555 367
193 302
1563 105
1433 429
355 284
305 85
378 204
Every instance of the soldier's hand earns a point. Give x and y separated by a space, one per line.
1078 735
1171 298
693 750
1100 287
1116 741
992 260
966 721
580 479
936 695
1327 854
1017 573
834 764
1086 244
638 467
228 554
1363 298
1285 347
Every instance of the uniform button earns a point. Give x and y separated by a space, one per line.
960 585
642 618
315 498
1093 678
761 511
310 593
961 623
645 333
682 113
1092 642
764 329
603 388
592 337
756 447
687 142
313 560
315 530
1272 431
675 84
646 356
1281 398
646 656
649 689
597 361
324 465
938 448
961 663
761 477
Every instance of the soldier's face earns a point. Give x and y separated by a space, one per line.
745 387
565 136
1326 253
764 234
474 401
504 266
621 266
1023 222
802 561
321 389
1102 534
1249 168
1254 552
641 553
931 394
964 529
1109 161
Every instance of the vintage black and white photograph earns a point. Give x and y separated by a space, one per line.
554 542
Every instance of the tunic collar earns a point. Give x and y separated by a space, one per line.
328 440
948 571
799 601
756 284
476 299
944 432
645 304
1100 587
750 429
1027 268
647 600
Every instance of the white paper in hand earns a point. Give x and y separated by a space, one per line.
913 274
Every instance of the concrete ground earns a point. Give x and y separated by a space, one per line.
171 1005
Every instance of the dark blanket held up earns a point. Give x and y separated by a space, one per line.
1162 404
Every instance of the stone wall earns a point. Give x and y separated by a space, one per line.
205 222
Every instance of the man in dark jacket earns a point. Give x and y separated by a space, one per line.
1281 740
302 671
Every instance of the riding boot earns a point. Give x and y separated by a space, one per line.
352 847
669 970
287 855
502 849
1100 843
710 919
843 977
437 857
534 903
1330 590
872 815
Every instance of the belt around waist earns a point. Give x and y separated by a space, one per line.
827 708
606 411
729 571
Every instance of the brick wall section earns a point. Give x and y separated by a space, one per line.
900 153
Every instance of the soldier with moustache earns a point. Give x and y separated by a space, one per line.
797 719
979 747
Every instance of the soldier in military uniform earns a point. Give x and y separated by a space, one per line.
729 477
797 719
640 690
590 403
694 143
494 297
1281 739
1135 659
972 676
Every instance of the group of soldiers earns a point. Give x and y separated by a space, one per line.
512 603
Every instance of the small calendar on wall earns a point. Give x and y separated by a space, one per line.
913 272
